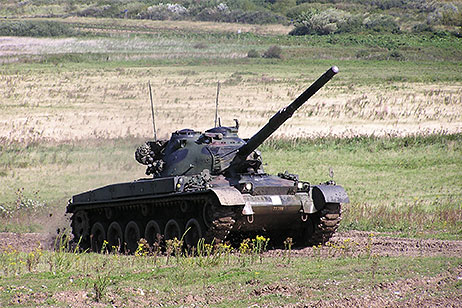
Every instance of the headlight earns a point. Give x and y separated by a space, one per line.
248 186
303 186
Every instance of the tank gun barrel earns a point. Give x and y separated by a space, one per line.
284 114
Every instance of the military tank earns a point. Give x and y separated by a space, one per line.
209 185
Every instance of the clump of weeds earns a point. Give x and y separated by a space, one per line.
288 242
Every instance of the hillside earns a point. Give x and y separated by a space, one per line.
331 15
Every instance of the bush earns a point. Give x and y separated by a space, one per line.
35 28
222 13
381 23
446 14
101 11
396 55
200 45
273 52
326 22
424 27
303 23
295 12
165 12
253 54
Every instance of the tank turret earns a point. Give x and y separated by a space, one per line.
219 149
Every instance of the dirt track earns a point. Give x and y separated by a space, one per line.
351 242
355 242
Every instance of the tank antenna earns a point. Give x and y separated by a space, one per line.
152 111
216 105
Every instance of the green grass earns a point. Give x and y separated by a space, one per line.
354 73
60 278
395 184
409 184
170 45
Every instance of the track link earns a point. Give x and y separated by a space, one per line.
325 224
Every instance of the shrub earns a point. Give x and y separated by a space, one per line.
423 27
273 52
350 24
326 22
164 12
253 54
381 23
446 14
101 11
35 28
222 13
396 55
303 23
200 45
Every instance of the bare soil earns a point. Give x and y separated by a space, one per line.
25 242
353 243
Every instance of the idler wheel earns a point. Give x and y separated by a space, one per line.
115 236
172 230
132 235
193 233
207 214
98 236
152 232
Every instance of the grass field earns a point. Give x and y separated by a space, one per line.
408 184
73 110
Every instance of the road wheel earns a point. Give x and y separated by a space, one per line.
115 237
132 235
152 232
97 236
172 230
193 233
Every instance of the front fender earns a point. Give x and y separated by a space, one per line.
228 196
323 194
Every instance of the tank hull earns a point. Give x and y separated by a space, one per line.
123 213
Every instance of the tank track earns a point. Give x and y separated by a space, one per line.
222 224
325 224
219 227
